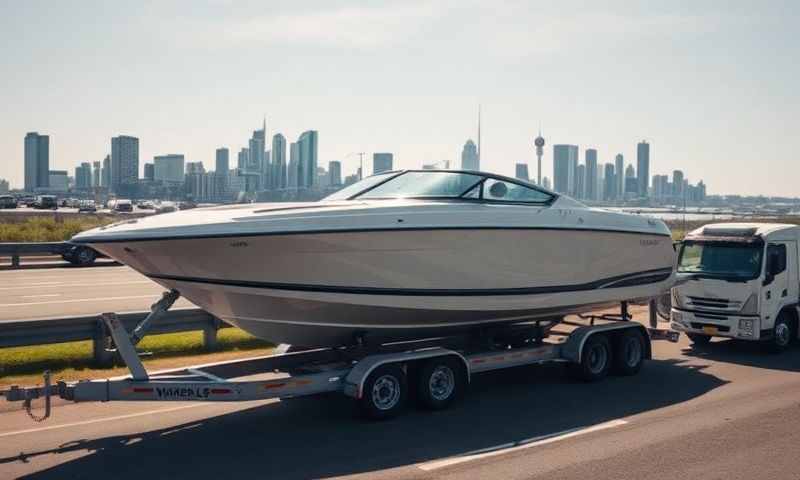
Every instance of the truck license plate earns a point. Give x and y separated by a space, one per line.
710 330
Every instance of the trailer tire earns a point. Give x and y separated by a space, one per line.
81 256
596 359
698 339
629 352
440 382
783 333
385 392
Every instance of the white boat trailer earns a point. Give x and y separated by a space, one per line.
381 379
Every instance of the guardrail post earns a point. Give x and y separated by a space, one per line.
15 260
210 333
100 343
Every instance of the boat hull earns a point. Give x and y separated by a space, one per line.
324 289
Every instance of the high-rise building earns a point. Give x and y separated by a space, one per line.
280 179
149 172
37 161
522 172
124 162
169 169
293 173
539 143
335 172
307 146
243 159
105 176
643 167
4 186
565 163
58 181
677 184
610 182
96 174
580 182
469 156
546 184
382 162
83 176
222 161
619 168
591 174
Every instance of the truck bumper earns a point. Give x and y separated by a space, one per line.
716 325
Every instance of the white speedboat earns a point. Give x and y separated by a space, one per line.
403 254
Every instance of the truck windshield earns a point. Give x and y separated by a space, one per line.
725 260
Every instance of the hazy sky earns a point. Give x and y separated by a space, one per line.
712 85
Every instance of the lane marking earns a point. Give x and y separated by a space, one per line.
65 284
42 295
99 420
520 445
74 301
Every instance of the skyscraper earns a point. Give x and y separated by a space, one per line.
124 162
105 176
149 172
83 176
97 174
307 146
382 162
280 179
522 171
294 165
677 184
580 182
169 169
643 167
37 161
591 175
618 170
469 156
565 162
610 190
222 161
335 172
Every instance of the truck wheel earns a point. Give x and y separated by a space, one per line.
385 392
441 381
595 359
783 333
629 352
698 338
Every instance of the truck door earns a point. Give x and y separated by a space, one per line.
776 291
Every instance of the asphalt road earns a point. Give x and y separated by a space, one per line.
723 411
27 294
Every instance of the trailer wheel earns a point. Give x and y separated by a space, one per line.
629 352
440 382
698 338
385 392
595 359
81 256
783 333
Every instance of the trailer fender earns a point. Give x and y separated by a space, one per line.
573 347
354 382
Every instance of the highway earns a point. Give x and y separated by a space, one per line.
727 410
27 294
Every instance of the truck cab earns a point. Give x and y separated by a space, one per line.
738 280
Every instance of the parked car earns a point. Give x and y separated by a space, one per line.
165 207
45 202
8 201
87 206
120 205
187 205
146 205
28 200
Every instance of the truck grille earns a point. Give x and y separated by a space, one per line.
714 304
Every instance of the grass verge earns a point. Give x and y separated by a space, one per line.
48 229
73 361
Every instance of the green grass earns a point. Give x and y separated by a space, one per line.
48 229
73 360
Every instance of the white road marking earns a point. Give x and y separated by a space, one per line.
78 300
64 284
38 284
42 295
99 420
516 446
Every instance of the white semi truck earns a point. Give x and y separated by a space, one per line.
740 280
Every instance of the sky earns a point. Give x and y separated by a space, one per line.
711 85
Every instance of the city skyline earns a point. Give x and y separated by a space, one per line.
707 84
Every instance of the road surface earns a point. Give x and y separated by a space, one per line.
724 411
27 294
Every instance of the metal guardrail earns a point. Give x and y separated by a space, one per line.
17 250
48 331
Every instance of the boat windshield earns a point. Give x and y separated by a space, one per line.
740 261
441 184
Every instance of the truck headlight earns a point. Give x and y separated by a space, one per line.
746 327
750 307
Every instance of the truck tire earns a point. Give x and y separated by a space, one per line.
596 359
440 382
783 333
385 392
629 352
698 339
